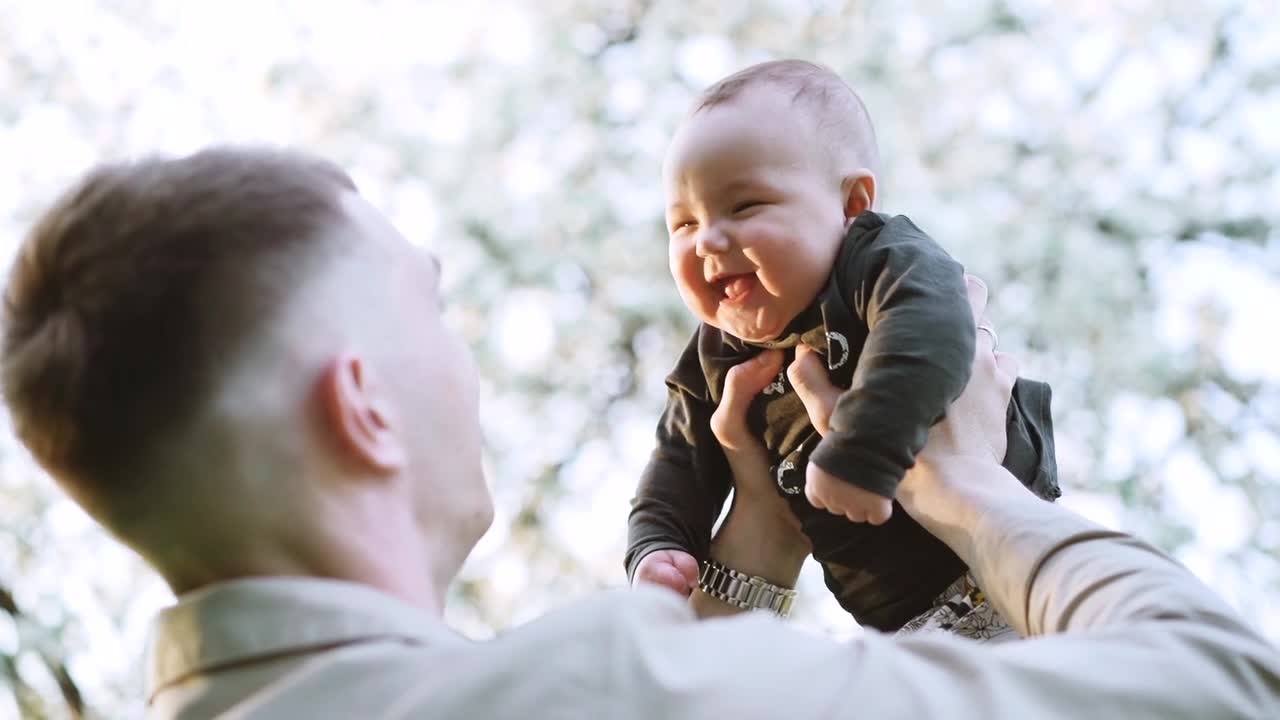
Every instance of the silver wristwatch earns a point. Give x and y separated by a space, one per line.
748 592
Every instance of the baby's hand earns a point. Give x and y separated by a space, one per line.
826 491
673 569
830 493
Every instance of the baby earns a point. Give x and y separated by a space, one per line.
770 184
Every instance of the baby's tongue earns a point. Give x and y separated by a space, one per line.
738 286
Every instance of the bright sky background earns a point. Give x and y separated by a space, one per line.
81 81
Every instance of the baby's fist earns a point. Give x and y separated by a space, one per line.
830 493
673 569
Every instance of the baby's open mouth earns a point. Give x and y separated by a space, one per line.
734 289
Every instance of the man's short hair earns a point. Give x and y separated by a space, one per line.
840 116
136 289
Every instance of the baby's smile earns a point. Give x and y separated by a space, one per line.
754 216
736 289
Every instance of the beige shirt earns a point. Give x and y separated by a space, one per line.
1127 633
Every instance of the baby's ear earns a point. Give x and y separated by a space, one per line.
859 191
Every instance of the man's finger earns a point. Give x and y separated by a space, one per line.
808 375
747 379
986 339
741 384
1008 364
977 295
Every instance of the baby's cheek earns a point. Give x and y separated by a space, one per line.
680 256
699 300
785 284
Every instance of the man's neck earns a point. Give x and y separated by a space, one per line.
393 557
387 558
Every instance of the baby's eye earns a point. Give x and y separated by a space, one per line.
746 205
681 225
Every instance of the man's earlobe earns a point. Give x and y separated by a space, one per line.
859 191
357 410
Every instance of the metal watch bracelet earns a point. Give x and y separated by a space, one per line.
747 592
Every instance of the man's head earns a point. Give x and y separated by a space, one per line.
762 180
238 367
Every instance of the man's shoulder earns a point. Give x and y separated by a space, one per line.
562 662
620 610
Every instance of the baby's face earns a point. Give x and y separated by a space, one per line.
754 214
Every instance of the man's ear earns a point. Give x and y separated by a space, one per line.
358 412
859 190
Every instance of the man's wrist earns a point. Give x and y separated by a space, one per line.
950 497
760 537
744 592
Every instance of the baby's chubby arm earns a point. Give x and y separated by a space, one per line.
682 489
916 360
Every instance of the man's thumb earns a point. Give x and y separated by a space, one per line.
808 376
746 380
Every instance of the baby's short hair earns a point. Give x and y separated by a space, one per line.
839 115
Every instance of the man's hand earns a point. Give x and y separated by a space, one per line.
674 569
972 431
748 459
741 385
975 423
760 535
971 441
808 376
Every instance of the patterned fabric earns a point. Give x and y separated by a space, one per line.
963 610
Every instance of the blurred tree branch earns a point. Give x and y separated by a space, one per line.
27 697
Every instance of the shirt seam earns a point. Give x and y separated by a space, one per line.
1038 566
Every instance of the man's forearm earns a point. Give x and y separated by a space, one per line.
1003 533
1130 632
1028 554
755 539
949 501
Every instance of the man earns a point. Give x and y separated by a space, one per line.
238 367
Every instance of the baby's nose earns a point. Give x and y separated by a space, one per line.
711 241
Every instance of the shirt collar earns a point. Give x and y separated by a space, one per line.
241 621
